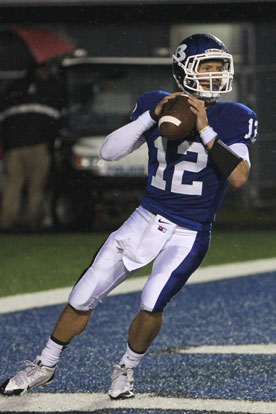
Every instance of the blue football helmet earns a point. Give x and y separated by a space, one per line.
188 57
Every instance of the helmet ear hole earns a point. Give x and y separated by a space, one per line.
190 83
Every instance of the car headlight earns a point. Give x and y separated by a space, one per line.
87 162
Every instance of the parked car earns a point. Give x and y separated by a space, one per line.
90 193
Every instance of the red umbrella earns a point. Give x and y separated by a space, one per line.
42 44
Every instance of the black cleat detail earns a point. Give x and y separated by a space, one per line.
123 396
9 393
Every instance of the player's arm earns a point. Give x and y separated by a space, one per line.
240 174
229 162
126 139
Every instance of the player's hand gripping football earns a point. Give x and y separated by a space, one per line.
159 107
199 109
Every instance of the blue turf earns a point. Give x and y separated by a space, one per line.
234 311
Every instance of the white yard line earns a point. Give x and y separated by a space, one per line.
206 274
259 349
91 403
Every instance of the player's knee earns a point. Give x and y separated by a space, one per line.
152 308
86 293
83 297
153 304
80 306
151 315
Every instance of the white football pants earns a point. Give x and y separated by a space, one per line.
177 252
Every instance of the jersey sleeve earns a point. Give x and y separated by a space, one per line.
146 102
240 125
235 123
247 125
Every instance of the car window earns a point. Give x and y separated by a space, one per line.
102 97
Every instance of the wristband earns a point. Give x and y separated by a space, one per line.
224 159
207 134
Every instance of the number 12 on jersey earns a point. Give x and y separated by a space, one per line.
175 184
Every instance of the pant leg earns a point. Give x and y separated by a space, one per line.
12 183
107 269
37 163
172 268
105 273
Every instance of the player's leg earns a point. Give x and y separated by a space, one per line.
37 164
13 180
70 324
106 272
93 285
143 330
180 257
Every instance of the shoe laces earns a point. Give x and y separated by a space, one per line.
31 369
122 376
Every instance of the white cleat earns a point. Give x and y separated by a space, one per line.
33 375
122 383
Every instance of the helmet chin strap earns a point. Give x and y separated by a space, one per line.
208 95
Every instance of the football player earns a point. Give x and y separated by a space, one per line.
187 179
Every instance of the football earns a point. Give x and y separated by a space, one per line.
176 121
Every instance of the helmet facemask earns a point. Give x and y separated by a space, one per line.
218 82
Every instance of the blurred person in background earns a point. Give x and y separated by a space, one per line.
30 110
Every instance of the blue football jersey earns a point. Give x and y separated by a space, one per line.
183 184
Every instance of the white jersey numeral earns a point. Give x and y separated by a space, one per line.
176 185
252 129
157 180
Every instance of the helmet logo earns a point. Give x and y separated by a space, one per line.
213 51
180 52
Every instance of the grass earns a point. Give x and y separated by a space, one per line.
32 263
